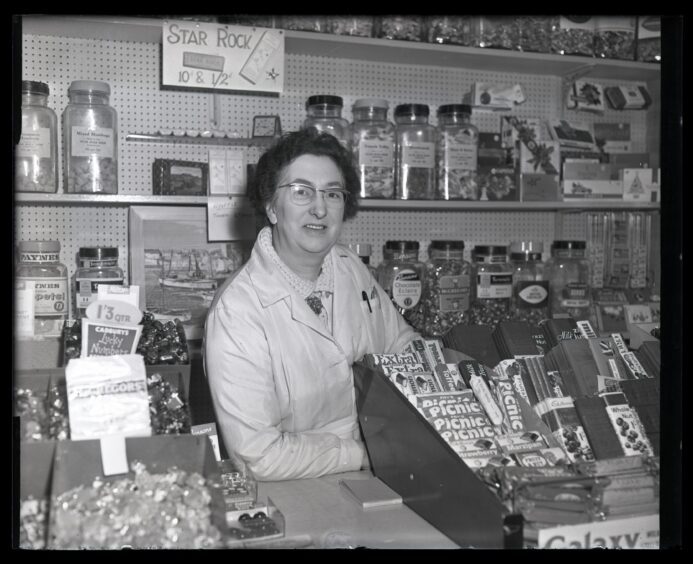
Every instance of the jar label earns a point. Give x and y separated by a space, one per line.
532 294
50 295
454 293
24 308
459 156
373 152
494 285
34 143
88 289
418 154
87 142
94 263
406 288
39 257
575 295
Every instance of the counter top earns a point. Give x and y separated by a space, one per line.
318 514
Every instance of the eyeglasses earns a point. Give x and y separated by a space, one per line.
302 195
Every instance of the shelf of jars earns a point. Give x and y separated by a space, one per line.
121 28
30 198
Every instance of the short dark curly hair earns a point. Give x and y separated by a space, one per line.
290 146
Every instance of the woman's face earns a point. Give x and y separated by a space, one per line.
306 232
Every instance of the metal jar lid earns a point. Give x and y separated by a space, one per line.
447 245
490 250
412 110
98 253
324 99
455 109
401 246
569 245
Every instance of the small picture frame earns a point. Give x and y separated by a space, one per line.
179 178
266 126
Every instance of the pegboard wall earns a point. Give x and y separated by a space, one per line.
132 69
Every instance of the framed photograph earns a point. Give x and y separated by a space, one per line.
179 178
266 126
177 269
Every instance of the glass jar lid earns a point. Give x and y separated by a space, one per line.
89 86
406 110
324 99
569 245
455 109
371 103
447 245
401 246
98 253
39 246
35 87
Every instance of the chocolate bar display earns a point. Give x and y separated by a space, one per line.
598 428
516 338
560 329
475 341
562 419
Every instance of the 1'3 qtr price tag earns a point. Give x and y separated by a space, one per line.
114 311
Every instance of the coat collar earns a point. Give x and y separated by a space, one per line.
272 287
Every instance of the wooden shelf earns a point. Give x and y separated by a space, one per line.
186 140
149 30
397 205
111 200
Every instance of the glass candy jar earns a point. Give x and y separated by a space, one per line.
39 264
568 271
401 275
415 153
90 130
492 285
373 147
324 113
530 300
36 155
446 288
456 153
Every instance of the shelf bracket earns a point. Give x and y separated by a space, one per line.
215 111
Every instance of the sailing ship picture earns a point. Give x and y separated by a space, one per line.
175 265
180 283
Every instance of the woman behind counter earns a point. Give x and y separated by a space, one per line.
283 331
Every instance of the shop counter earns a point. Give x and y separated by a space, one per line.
318 514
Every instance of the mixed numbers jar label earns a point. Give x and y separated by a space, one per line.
87 141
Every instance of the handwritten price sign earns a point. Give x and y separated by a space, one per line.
222 57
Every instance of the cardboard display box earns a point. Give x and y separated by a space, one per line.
78 463
539 188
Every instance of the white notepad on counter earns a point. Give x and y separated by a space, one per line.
370 493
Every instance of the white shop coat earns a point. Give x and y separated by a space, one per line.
281 384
